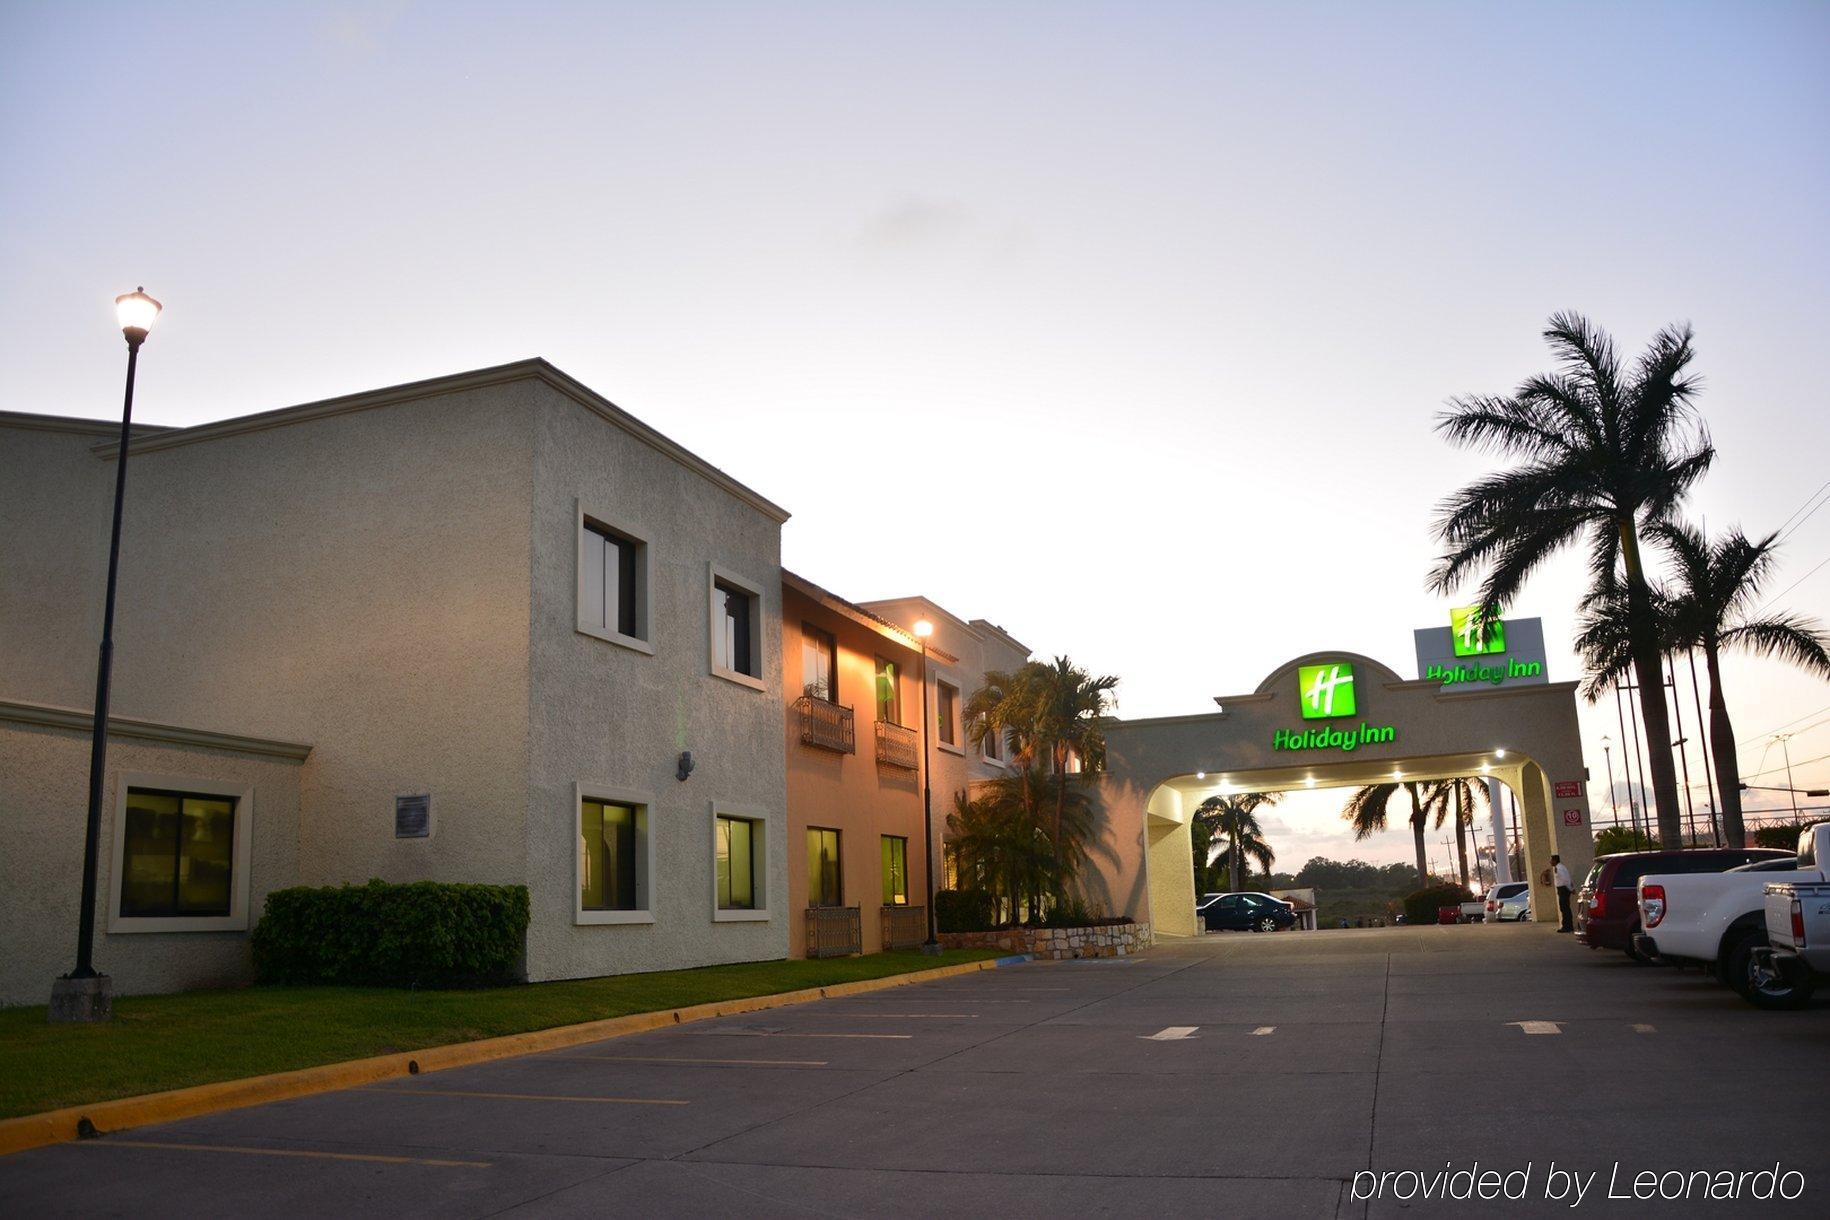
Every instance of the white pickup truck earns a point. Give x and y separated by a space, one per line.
1797 934
1719 919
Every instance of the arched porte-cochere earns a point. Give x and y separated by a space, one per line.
1338 719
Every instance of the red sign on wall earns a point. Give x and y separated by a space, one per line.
1568 788
1572 817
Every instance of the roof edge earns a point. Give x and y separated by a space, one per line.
51 716
81 426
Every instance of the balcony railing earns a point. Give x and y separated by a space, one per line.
898 746
825 725
904 927
834 931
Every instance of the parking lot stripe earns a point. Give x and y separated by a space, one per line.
763 1033
372 1158
1538 1027
912 1014
1645 1029
1262 1030
1171 1033
603 1101
802 1063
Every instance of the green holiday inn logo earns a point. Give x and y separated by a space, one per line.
1470 639
1326 690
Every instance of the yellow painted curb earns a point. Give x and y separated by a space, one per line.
121 1114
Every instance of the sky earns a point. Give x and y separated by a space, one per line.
1124 326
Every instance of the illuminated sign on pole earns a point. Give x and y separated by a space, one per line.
1508 652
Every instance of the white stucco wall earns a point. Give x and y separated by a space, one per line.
606 714
44 782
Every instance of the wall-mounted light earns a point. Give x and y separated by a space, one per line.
685 767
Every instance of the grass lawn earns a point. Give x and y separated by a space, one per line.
197 1037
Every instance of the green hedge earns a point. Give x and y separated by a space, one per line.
1785 838
1421 906
964 911
424 934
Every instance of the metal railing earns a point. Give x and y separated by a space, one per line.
825 725
834 931
904 927
898 746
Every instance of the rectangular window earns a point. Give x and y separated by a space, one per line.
608 837
889 692
609 584
824 885
734 629
736 864
819 663
178 854
946 709
994 744
949 865
895 871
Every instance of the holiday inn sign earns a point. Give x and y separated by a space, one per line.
1469 652
1326 692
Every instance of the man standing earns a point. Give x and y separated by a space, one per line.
1558 876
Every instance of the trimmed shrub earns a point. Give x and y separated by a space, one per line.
1623 838
1785 838
1421 907
964 911
423 934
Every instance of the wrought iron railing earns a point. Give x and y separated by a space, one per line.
904 927
834 931
898 746
825 725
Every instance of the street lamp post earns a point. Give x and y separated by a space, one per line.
931 946
83 995
1607 752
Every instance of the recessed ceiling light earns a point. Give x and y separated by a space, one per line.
1200 775
1499 753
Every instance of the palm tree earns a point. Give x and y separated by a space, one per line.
1052 715
1603 451
1367 809
1002 840
1233 819
1448 798
1709 605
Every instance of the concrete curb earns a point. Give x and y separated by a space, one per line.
121 1114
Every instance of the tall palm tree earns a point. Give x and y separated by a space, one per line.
1001 836
1232 819
1710 604
1454 798
1052 715
1601 452
1368 808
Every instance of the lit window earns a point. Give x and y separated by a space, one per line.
895 871
178 855
736 864
825 887
889 692
610 865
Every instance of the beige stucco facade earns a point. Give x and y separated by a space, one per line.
390 581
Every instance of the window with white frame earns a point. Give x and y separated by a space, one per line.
736 629
182 854
946 712
614 857
613 596
739 866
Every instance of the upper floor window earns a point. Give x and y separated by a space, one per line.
946 711
889 692
994 744
736 629
819 663
613 599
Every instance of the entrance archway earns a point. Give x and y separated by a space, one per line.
1334 719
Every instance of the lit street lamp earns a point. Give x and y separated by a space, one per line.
931 946
83 995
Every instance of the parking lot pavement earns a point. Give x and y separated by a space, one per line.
1237 1074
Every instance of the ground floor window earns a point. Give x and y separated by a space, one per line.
825 886
895 871
177 854
736 863
607 835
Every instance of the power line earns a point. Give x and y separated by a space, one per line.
1788 724
1801 508
1807 762
1801 580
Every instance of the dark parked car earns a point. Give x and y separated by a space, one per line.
1245 913
1607 905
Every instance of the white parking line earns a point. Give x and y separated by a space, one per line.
1172 1033
1538 1027
1645 1029
1262 1030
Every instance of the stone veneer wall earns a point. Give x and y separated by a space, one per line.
1057 944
